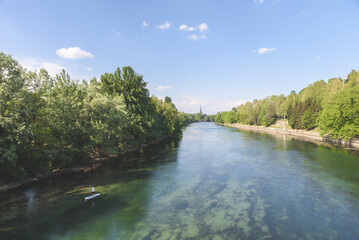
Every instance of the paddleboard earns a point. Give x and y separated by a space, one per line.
92 196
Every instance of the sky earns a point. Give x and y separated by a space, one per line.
214 54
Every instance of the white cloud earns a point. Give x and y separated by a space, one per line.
52 68
183 27
228 105
264 50
218 106
164 26
118 34
186 28
259 1
194 37
145 24
318 57
73 53
163 87
33 64
191 104
202 27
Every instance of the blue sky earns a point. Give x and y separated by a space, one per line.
217 54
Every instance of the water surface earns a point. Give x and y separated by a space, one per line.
213 183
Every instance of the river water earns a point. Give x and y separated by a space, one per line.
211 183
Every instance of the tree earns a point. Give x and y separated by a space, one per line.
168 100
310 115
66 137
268 114
106 122
136 97
13 130
48 123
339 117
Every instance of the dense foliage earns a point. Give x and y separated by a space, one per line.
48 123
333 107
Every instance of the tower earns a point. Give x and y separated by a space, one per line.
200 109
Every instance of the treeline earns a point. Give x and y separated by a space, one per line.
48 123
199 117
333 107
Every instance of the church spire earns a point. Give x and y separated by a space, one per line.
200 109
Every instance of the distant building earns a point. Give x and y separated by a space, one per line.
200 109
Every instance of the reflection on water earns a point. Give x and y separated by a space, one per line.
214 183
30 195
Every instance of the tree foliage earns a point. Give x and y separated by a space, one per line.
332 106
48 123
340 115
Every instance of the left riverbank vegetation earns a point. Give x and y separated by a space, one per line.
331 107
48 123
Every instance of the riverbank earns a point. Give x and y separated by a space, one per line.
93 164
301 134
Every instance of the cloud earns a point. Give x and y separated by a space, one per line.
218 106
164 26
228 105
33 64
318 57
52 68
202 27
259 1
163 87
191 106
73 53
189 103
145 24
263 50
194 37
186 28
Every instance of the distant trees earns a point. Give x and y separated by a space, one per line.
332 106
48 123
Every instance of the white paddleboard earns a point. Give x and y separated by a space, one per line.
92 196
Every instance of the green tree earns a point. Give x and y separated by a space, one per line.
106 122
13 130
136 97
310 115
339 117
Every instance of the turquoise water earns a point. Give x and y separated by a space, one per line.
212 183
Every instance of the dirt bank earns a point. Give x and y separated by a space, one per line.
302 134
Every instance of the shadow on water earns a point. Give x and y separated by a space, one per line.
56 205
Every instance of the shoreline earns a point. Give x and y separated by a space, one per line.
95 163
300 134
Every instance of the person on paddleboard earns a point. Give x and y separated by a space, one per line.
93 190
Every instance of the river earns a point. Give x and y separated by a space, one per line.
212 182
